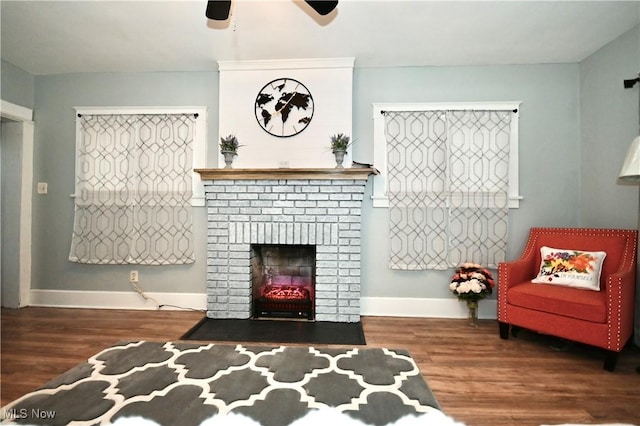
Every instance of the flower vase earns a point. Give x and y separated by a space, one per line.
472 306
228 158
339 158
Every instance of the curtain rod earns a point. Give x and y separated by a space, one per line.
195 115
383 112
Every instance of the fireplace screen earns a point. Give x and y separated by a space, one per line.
283 280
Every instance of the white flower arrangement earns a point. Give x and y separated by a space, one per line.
471 281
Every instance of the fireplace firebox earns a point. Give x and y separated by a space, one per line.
283 280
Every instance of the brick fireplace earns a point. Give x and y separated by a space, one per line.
320 208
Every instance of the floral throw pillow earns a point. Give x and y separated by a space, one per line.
572 268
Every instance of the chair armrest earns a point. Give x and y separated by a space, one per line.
516 271
621 286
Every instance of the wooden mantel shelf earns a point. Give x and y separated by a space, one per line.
251 174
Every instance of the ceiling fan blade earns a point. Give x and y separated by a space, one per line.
218 9
323 7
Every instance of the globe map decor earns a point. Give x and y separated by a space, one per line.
284 107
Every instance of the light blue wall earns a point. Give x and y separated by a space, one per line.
609 122
55 97
549 153
549 166
16 85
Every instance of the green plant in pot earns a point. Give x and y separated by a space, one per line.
229 148
339 144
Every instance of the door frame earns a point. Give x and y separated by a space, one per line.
25 116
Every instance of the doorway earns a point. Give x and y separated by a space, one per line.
16 192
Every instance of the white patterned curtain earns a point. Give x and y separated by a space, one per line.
133 189
448 182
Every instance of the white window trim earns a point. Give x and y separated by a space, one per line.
380 197
199 141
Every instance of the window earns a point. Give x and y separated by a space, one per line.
135 185
448 176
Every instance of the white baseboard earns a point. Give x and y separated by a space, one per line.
424 307
369 306
116 300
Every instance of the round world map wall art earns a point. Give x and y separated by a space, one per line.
284 107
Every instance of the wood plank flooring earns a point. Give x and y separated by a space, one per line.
477 378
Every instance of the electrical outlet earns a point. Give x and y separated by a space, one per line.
133 276
43 187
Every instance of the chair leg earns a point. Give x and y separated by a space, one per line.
504 330
610 360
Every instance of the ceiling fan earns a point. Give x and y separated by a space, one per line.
219 9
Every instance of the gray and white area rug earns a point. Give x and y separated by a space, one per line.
178 383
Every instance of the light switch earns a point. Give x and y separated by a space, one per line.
42 187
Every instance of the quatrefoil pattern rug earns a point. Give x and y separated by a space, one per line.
185 383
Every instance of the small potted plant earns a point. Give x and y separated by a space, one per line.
229 149
339 144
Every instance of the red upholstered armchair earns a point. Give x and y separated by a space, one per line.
599 318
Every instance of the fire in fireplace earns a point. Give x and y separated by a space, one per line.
283 280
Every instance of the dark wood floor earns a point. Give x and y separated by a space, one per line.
477 378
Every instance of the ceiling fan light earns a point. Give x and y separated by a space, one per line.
323 7
218 9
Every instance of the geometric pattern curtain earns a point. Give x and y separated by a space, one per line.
133 189
448 183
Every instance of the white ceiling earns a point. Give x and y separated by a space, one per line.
51 37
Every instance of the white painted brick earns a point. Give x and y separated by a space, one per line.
251 211
240 218
349 249
326 256
349 234
326 249
217 247
329 204
238 269
229 210
281 189
289 233
297 233
283 203
272 210
315 211
325 279
350 204
295 197
330 189
340 196
310 189
285 218
352 189
268 196
306 204
327 219
317 197
326 302
305 218
326 291
227 196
